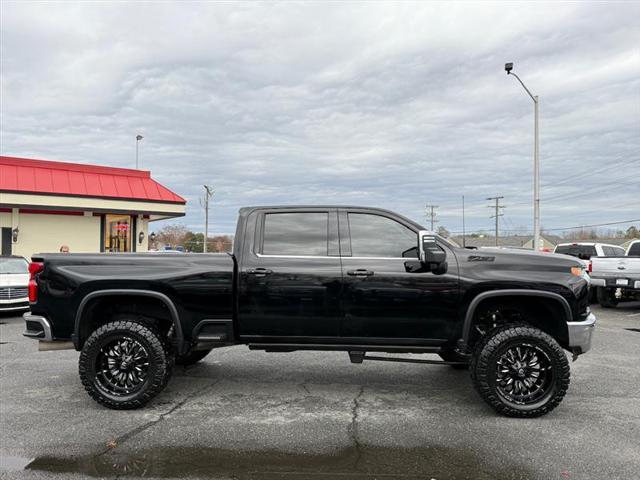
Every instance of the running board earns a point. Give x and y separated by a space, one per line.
359 357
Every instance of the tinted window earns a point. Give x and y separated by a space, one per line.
584 252
14 265
295 234
376 236
613 252
634 250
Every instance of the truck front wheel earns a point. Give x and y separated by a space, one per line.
520 371
124 364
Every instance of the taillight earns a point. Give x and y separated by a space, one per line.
589 267
34 269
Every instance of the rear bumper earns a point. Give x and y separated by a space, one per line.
38 327
580 334
632 283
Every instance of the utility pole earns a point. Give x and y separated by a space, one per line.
208 193
497 206
138 138
431 214
536 160
463 230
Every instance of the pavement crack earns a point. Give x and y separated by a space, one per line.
353 426
113 444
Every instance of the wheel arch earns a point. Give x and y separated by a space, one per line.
89 300
550 298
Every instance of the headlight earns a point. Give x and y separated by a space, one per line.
577 271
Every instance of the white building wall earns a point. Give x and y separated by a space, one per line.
40 233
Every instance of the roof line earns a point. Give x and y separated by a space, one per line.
73 167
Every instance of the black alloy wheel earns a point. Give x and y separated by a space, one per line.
523 374
122 366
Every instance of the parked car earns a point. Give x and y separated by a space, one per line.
617 278
584 251
320 278
14 278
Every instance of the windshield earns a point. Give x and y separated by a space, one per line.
14 265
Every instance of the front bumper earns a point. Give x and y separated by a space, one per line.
38 327
580 334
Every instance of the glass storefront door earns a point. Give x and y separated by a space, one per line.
117 233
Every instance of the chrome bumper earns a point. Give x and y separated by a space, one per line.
580 333
42 333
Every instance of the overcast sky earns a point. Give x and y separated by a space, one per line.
389 105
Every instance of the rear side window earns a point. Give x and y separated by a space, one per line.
376 236
613 251
634 251
585 252
301 233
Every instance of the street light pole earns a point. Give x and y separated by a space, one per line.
138 138
536 162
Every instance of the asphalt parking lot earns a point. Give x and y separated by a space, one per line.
247 414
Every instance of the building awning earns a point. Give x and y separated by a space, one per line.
28 182
42 176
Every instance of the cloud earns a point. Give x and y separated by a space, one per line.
383 104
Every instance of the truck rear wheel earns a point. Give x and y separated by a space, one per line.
124 364
192 357
520 371
607 297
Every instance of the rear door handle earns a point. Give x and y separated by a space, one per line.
259 271
361 272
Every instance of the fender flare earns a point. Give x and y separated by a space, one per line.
468 319
173 311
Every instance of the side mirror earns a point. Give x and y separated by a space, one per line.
430 253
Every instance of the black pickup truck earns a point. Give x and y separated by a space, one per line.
360 280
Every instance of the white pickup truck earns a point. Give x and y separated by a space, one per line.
617 278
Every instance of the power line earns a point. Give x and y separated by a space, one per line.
497 215
431 214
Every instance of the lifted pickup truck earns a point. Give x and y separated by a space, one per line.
617 278
319 278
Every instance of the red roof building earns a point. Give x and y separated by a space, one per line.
45 204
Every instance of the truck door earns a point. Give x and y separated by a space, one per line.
290 278
381 299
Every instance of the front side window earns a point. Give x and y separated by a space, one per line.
634 250
377 236
301 233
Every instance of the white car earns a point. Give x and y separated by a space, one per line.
14 282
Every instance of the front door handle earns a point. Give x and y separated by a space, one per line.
360 272
260 272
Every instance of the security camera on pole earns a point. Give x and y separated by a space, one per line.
536 163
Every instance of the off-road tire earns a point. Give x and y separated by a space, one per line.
607 297
453 356
490 349
192 357
160 363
